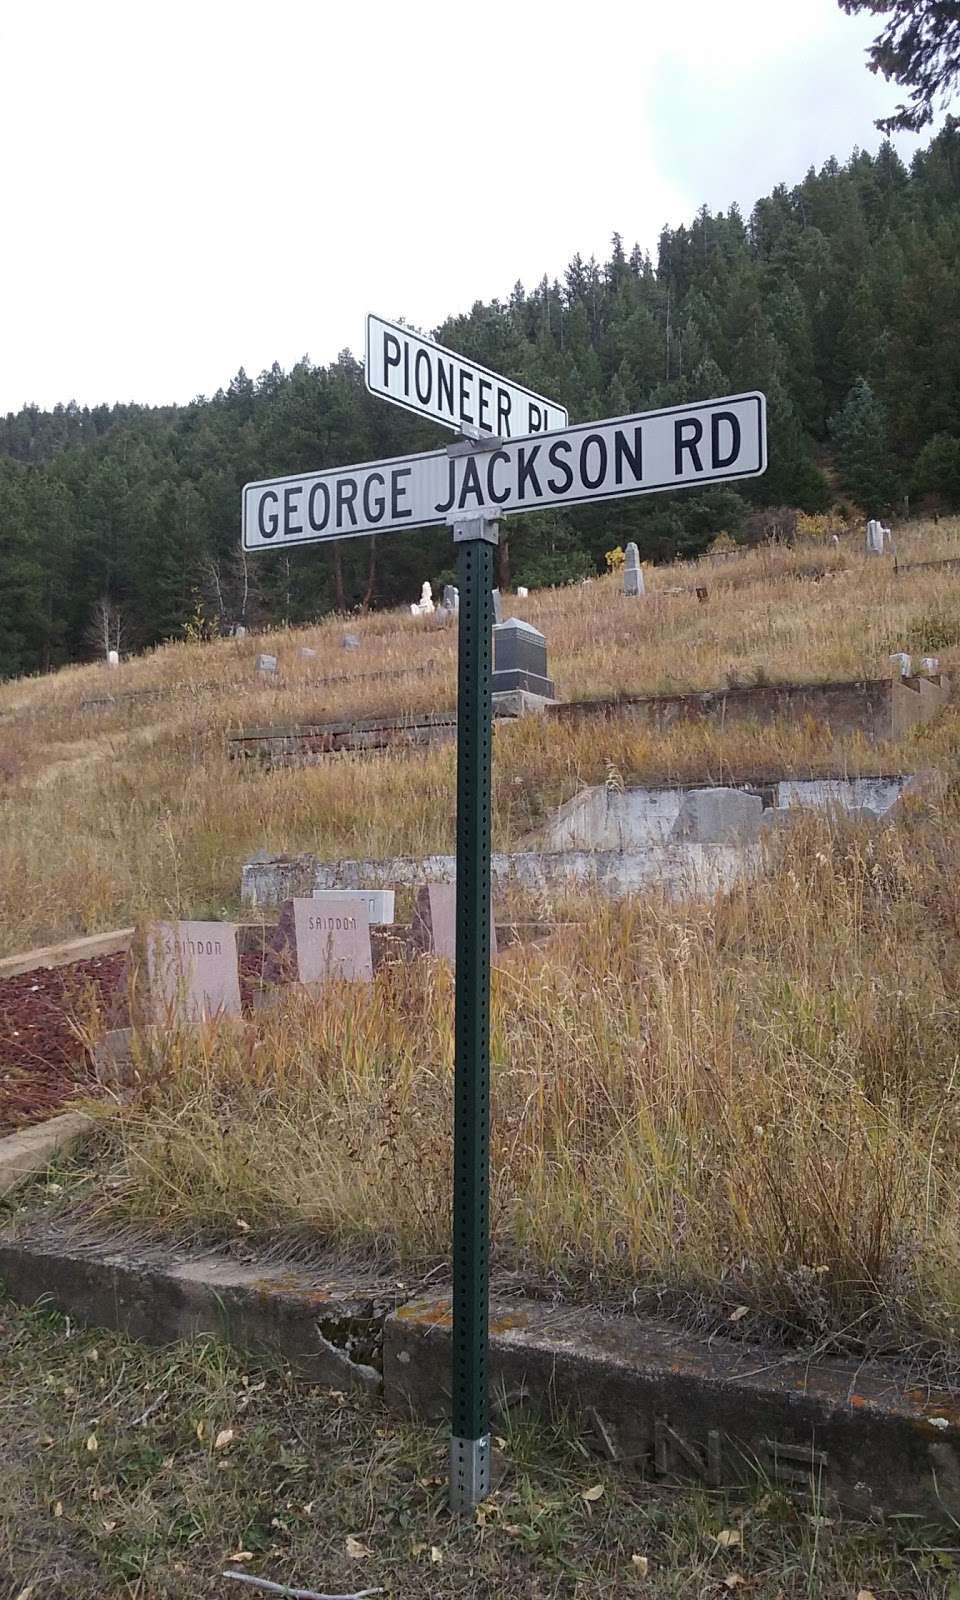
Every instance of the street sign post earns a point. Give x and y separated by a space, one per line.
491 473
424 377
680 447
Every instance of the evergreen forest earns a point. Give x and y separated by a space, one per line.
839 297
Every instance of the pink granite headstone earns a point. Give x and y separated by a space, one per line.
434 927
193 971
318 939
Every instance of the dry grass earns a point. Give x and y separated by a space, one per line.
752 1102
158 1511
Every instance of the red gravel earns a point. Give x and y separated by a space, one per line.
42 1060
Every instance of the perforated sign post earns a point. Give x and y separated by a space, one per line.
468 486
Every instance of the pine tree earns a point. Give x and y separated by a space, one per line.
864 463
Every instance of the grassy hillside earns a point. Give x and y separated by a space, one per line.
112 811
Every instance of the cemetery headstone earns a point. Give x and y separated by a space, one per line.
931 665
350 641
718 816
632 571
113 658
451 597
320 938
902 662
267 666
520 659
497 606
874 537
522 592
424 607
239 631
380 903
192 971
434 927
306 654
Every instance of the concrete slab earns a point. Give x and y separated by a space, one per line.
678 870
29 1152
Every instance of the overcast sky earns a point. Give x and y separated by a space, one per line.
192 187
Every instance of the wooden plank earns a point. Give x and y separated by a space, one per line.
62 955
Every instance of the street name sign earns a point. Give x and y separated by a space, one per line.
424 377
680 447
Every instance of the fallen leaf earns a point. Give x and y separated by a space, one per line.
355 1550
640 1565
727 1537
200 1430
108 1527
243 1226
866 1594
224 1437
27 1592
94 1354
58 1509
240 1555
417 1549
92 1444
733 1581
436 1555
592 1494
739 1314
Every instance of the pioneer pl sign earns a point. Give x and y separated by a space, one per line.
678 448
421 376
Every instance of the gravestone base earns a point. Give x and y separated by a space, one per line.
520 678
519 703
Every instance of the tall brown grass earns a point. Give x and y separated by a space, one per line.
750 1103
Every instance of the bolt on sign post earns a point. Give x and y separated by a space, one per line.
517 453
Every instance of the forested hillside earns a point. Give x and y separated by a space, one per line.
839 297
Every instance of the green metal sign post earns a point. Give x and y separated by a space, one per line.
476 540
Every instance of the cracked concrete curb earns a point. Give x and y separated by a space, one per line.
25 1154
329 1331
648 1396
644 1394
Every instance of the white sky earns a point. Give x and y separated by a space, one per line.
192 187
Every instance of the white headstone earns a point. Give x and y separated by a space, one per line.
379 902
497 606
874 537
835 540
306 654
451 597
350 641
718 816
632 571
267 665
239 631
113 658
931 665
522 593
902 661
193 971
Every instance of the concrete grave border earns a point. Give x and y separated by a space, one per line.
643 1394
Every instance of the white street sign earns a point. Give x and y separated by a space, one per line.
681 447
422 376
